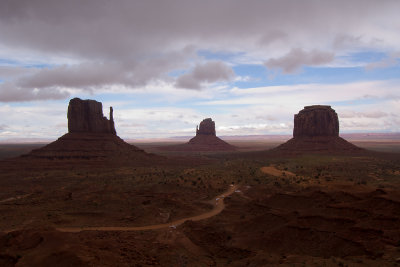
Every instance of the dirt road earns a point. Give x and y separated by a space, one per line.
218 207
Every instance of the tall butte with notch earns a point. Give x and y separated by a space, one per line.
316 129
86 116
90 136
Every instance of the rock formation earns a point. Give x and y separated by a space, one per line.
316 121
90 136
207 127
86 116
316 128
205 140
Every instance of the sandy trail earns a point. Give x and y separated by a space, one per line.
218 207
14 198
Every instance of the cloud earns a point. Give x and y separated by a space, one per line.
390 61
346 41
273 36
3 127
11 93
27 84
297 57
39 121
10 72
135 43
310 94
143 51
346 114
210 72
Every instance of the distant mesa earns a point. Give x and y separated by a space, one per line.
316 128
205 140
90 136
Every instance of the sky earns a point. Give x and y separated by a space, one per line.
166 65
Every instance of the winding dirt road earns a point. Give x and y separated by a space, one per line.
218 207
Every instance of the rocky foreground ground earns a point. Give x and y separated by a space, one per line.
310 211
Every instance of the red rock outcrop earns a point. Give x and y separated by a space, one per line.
205 140
90 136
316 121
86 116
316 129
207 127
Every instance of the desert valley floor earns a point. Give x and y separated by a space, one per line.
250 207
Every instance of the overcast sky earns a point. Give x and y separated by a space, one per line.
166 65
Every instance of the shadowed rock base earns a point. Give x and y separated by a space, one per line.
317 144
209 142
88 146
202 143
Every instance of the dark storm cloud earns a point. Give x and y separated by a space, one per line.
136 42
297 58
209 72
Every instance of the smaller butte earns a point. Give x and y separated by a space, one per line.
205 140
316 129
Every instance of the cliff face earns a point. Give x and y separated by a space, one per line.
316 121
207 127
86 116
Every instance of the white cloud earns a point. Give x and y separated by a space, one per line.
38 121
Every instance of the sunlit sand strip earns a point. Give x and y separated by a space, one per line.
218 207
272 170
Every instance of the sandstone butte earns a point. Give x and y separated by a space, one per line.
90 136
316 129
205 140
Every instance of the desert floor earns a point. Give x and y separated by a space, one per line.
243 208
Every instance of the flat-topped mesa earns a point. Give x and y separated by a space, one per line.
86 116
317 120
316 129
207 127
